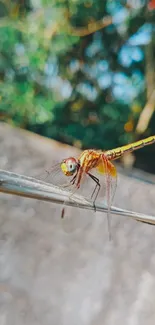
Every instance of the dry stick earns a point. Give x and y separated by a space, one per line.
29 187
146 114
148 109
91 28
81 31
51 31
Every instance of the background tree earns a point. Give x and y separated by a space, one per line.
79 71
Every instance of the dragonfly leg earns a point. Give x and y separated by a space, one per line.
96 189
62 213
73 180
75 176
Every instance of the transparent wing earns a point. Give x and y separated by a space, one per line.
108 170
55 176
98 185
105 175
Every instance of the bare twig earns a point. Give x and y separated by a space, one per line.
29 187
146 114
92 27
82 31
148 109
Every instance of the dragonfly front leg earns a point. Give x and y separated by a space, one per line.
73 179
75 176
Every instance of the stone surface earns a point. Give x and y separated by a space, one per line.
61 272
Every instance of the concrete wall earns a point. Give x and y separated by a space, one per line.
66 272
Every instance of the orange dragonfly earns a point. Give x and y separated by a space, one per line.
95 165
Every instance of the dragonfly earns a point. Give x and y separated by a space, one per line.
97 166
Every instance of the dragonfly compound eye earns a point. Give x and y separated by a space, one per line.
69 166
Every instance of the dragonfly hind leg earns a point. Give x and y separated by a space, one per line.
96 189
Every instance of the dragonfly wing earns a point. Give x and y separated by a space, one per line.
106 174
108 177
56 177
111 179
109 182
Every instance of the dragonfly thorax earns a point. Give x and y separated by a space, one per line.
69 166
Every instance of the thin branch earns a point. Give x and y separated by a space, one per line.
91 28
81 32
148 109
146 114
29 187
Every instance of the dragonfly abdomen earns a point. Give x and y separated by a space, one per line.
119 152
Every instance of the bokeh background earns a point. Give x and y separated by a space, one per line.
80 71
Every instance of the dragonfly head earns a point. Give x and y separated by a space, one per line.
69 166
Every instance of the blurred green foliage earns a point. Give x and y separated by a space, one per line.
60 79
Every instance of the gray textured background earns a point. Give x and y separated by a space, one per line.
62 272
